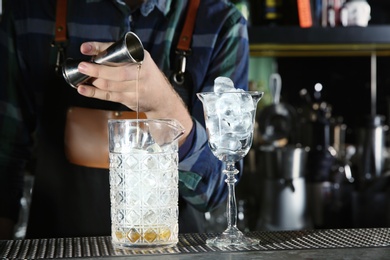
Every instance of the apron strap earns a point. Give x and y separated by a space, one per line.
186 34
60 36
183 48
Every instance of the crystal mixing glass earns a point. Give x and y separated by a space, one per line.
229 117
144 182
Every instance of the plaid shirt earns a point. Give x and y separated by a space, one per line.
33 98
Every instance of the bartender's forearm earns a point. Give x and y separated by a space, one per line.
6 228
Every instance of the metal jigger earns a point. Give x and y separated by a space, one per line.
128 49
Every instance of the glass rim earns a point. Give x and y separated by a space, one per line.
142 120
234 92
174 123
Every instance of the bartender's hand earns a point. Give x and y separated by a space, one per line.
6 229
156 96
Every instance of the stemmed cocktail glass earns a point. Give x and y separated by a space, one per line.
229 118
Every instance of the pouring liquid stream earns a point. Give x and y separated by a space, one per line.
137 98
137 89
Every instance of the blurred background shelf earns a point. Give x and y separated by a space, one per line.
293 41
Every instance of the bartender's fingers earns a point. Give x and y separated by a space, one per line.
121 73
127 98
115 86
93 48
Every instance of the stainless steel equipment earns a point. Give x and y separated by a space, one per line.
370 150
128 49
283 205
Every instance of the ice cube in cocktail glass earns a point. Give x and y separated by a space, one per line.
229 117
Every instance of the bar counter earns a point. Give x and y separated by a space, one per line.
362 243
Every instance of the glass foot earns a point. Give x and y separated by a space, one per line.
232 237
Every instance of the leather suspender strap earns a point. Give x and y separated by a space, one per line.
186 34
60 30
60 36
183 46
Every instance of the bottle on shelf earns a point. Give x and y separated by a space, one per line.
266 12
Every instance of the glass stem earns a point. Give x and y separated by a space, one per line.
231 180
